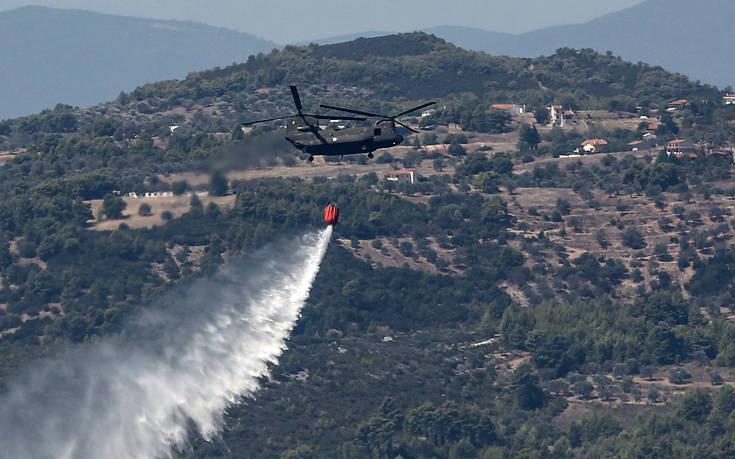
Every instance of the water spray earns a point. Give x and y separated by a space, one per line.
194 353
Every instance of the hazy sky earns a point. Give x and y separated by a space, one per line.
285 21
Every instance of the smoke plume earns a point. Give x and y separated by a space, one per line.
195 352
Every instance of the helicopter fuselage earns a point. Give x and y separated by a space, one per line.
337 142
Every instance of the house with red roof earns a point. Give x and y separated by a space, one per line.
677 104
729 99
555 114
594 145
639 145
680 148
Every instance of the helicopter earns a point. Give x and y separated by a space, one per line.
303 131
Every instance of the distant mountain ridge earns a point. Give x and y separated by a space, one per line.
76 57
693 38
51 56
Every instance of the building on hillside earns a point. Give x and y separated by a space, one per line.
729 99
677 104
427 113
151 194
511 109
555 115
650 137
594 145
680 148
639 145
724 152
559 116
402 176
454 127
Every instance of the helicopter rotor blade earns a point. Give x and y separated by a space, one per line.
266 120
359 112
342 118
350 110
407 127
296 98
414 109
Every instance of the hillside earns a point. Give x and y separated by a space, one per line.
399 68
515 301
53 56
680 35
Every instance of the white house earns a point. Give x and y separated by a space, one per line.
402 176
650 137
594 145
511 109
557 115
729 99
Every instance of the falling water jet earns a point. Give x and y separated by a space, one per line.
198 350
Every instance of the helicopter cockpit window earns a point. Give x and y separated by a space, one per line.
376 131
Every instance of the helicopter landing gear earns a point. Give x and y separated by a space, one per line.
311 158
371 155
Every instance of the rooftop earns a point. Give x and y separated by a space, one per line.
594 142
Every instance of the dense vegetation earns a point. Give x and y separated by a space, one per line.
469 370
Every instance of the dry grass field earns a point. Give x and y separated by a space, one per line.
177 205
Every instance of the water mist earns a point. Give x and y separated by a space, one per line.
186 359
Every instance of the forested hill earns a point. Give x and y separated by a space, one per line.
384 74
52 56
417 66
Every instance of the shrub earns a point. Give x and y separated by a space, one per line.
179 187
218 185
144 209
679 375
112 207
26 248
633 238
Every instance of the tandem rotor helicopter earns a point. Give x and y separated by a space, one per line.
303 131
